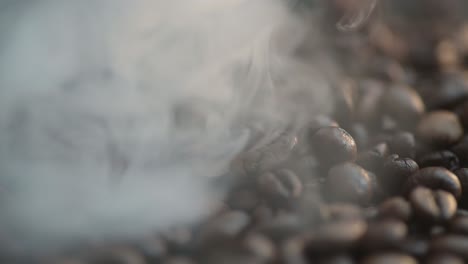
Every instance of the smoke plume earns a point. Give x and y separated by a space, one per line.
115 115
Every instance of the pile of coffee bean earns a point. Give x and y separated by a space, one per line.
384 179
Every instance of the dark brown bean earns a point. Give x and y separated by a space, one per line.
459 225
333 145
397 208
444 259
373 159
435 178
396 171
281 227
368 106
404 104
451 244
389 258
444 158
433 206
461 150
440 129
348 182
462 175
336 236
403 144
336 259
417 247
341 211
320 121
453 89
280 187
384 234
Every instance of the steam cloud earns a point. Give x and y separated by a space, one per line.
116 114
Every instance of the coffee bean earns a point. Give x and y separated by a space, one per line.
389 258
291 251
396 171
444 259
349 182
336 259
451 244
440 129
281 186
384 234
178 260
373 159
403 144
459 225
335 236
281 227
360 134
462 175
341 211
268 156
395 208
435 178
404 104
417 247
333 145
452 90
368 106
462 112
320 121
433 206
444 158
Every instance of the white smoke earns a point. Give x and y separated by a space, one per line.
114 114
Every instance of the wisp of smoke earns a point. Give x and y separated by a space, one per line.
116 114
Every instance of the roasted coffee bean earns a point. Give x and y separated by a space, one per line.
440 129
178 260
333 145
335 236
368 106
451 244
320 121
403 144
433 206
396 171
226 226
336 259
444 259
373 159
348 182
395 208
291 251
384 234
341 211
252 249
462 175
459 225
462 112
360 134
452 90
389 258
435 178
404 104
345 101
461 150
281 227
417 247
268 156
280 186
444 158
